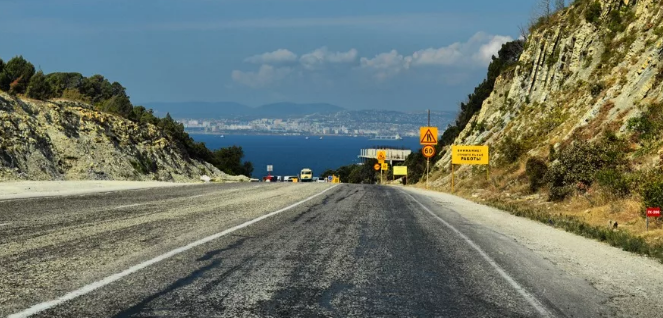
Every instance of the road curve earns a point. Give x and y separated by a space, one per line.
354 250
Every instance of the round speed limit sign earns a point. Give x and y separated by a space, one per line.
428 151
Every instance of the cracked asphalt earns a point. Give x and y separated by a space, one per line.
354 251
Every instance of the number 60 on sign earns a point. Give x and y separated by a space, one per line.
428 151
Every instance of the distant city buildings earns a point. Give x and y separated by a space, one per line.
358 123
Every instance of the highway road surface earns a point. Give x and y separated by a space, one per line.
271 250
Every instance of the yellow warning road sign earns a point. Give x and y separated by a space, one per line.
377 167
400 170
428 136
382 156
385 166
469 155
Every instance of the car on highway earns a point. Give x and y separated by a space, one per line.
306 175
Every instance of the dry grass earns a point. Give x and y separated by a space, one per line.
509 185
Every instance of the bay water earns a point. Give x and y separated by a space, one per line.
290 154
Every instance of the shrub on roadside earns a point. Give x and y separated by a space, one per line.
536 170
614 181
511 149
579 164
647 127
652 195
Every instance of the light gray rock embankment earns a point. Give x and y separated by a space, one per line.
65 140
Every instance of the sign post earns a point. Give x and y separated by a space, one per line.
468 155
654 213
381 156
428 139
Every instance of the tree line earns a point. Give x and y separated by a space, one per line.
19 77
507 57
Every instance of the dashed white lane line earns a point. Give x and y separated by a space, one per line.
101 283
128 206
531 299
197 196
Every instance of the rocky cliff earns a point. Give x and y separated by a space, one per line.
586 70
65 140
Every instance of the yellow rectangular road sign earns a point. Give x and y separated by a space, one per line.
385 166
469 155
400 170
382 156
428 136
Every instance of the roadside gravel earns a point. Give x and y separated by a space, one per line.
633 283
30 189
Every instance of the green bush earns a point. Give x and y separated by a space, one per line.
652 194
60 82
579 164
38 88
649 124
614 181
593 12
597 88
18 73
511 149
536 170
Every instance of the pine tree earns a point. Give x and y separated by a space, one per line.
38 88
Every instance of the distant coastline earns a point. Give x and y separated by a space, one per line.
258 133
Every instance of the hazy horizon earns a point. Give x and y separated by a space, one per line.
383 54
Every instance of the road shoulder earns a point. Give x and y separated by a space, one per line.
630 281
33 189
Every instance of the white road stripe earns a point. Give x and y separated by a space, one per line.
197 196
4 224
101 283
531 299
127 206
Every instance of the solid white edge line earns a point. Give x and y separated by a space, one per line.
98 284
531 299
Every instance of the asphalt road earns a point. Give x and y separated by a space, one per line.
352 251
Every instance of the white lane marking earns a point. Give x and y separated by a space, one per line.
4 224
127 206
521 290
98 284
197 196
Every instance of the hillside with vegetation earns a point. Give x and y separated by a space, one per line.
68 126
573 116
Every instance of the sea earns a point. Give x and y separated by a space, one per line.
290 154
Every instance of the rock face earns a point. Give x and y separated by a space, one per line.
574 79
65 140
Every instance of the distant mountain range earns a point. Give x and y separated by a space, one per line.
232 109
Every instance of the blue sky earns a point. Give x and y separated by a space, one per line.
360 54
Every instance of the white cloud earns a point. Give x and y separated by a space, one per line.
277 57
265 76
491 48
386 64
476 52
318 58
